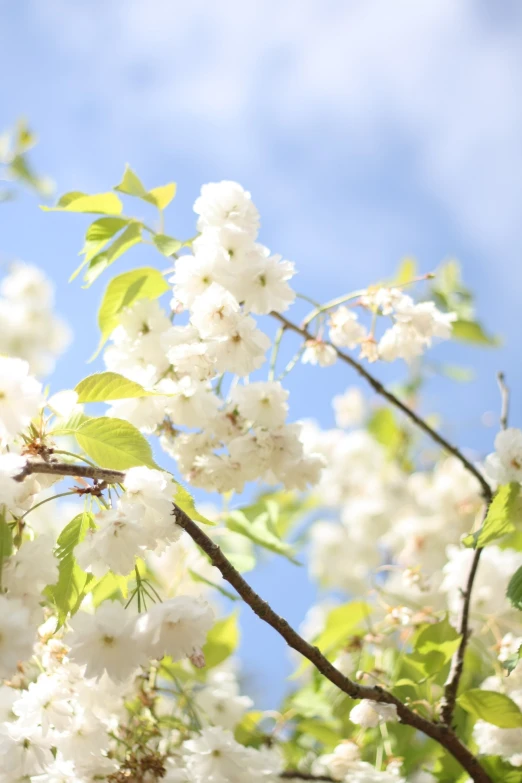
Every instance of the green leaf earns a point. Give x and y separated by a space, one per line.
163 195
101 203
6 537
435 644
512 662
185 501
114 443
222 640
472 332
384 428
123 291
131 185
500 771
167 245
71 587
110 586
127 239
106 386
70 425
492 707
407 271
340 624
261 532
503 513
514 590
105 228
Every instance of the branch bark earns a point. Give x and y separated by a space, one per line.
378 387
439 732
457 664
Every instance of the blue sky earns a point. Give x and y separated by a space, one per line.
366 131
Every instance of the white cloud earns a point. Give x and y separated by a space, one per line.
227 81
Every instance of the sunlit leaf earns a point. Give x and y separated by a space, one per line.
107 386
99 203
114 443
221 642
492 707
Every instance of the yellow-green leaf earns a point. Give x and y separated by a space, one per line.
162 195
123 291
166 245
131 185
106 386
101 203
492 707
222 640
504 511
185 501
114 443
130 237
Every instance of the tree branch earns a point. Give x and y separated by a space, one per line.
441 733
294 774
378 387
451 686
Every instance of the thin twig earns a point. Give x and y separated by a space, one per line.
441 733
294 774
504 396
378 387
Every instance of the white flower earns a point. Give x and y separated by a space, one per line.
143 317
215 757
497 566
243 351
495 741
349 408
64 403
264 404
226 202
11 465
193 275
345 329
319 352
263 287
146 413
33 567
20 397
505 465
28 328
425 318
176 627
369 714
17 636
104 642
46 703
221 701
148 500
113 545
191 403
384 300
341 761
59 771
215 313
401 341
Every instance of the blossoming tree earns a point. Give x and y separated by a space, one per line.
116 647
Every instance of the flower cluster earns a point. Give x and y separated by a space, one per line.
28 327
413 329
229 276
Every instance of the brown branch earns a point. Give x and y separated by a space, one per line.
294 774
378 387
441 733
457 664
